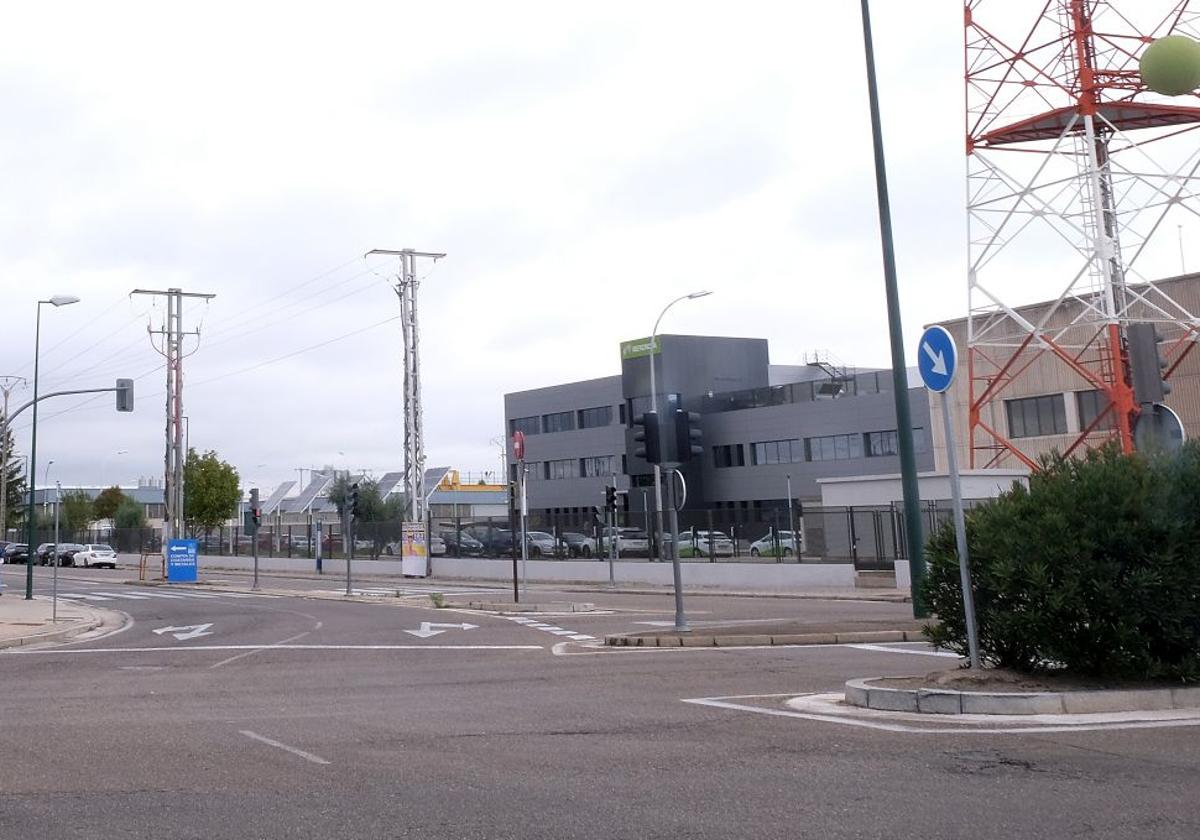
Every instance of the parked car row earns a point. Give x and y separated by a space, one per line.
66 554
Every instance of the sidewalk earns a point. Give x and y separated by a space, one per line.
29 622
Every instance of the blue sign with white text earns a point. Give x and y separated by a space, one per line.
182 557
937 359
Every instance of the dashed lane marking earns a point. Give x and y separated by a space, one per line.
553 629
307 756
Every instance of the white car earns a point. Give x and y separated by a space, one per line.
784 543
699 544
95 554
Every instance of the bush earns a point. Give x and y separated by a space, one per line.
1095 569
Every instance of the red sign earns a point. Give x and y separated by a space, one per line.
519 445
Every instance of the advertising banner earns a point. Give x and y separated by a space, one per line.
415 551
182 561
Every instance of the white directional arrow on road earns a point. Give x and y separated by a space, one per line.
427 630
187 631
939 361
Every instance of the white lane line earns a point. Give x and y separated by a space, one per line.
163 595
128 595
581 637
307 756
238 656
911 651
19 652
561 632
83 597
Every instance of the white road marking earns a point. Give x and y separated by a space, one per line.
912 651
128 595
243 655
427 630
1083 726
190 631
21 652
307 756
79 596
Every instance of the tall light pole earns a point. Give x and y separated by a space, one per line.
792 520
658 506
45 489
56 301
904 436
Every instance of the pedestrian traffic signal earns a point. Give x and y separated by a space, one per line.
687 436
354 508
610 497
647 435
1146 365
124 395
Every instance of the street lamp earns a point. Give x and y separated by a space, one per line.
45 489
680 621
56 301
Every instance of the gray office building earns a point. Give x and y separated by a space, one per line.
761 424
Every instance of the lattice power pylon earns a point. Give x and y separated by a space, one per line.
1078 177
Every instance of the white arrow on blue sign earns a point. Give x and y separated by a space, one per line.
937 359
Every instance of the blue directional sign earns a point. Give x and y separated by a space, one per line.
937 359
182 557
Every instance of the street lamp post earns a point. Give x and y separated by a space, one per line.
45 488
680 621
56 301
792 520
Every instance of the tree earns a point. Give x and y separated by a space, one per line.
371 507
129 514
75 511
15 481
107 503
211 491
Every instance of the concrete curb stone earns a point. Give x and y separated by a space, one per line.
762 640
863 693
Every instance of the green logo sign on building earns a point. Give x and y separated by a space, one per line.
639 347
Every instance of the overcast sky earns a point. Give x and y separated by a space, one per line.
581 164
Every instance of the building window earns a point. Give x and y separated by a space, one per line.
835 447
560 421
526 425
562 468
883 443
729 455
592 418
622 408
1037 416
1090 404
596 466
778 452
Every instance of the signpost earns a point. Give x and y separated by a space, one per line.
182 561
937 360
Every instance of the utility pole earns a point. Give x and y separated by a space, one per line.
7 385
414 440
172 350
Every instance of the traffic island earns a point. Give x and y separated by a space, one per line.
25 622
764 634
999 692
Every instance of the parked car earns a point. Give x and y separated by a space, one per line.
629 540
699 543
67 552
578 545
96 554
783 543
43 553
542 544
461 544
16 553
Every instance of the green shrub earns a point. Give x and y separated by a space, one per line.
1094 569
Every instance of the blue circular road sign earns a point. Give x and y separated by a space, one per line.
937 359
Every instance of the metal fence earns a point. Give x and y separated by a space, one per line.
868 537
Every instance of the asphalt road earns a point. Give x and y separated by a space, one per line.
293 717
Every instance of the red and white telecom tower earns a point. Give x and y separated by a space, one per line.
1078 177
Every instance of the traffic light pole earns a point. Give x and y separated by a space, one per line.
254 519
680 619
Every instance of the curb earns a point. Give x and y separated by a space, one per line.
54 635
862 693
712 640
505 607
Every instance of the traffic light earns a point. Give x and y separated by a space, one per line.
687 435
255 511
610 497
124 395
354 509
1146 364
648 437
